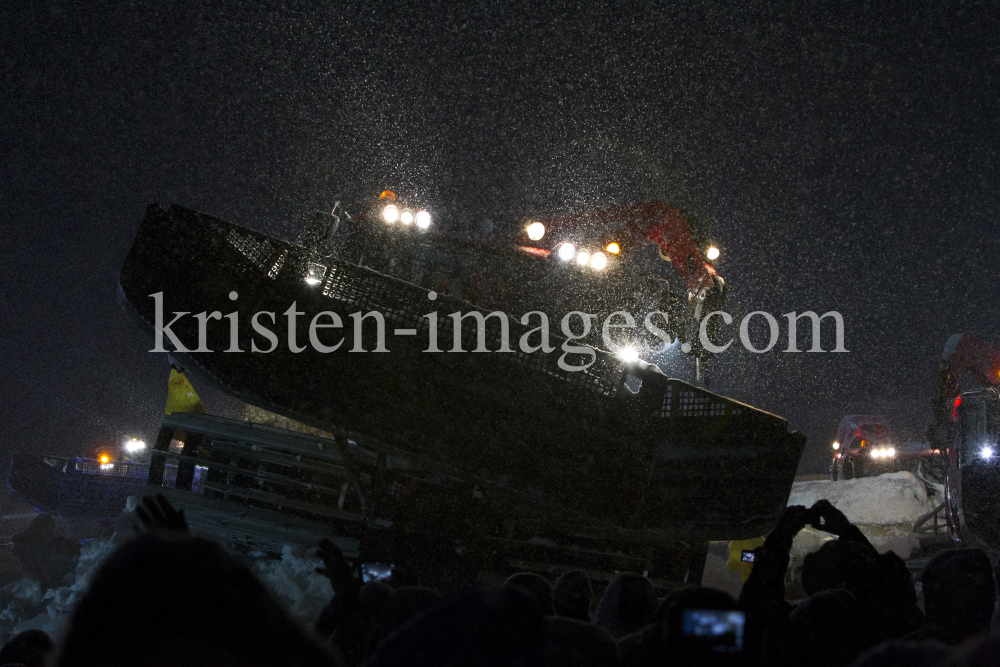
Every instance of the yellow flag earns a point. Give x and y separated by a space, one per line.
181 396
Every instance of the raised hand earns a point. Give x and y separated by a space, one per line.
336 569
792 520
158 515
830 519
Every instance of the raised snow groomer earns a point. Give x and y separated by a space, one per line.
533 456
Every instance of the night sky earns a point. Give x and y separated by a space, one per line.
844 159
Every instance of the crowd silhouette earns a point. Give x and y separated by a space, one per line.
166 598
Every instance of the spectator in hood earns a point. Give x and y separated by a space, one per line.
373 596
537 585
572 595
881 583
402 605
30 648
628 605
493 627
959 594
827 626
574 643
164 600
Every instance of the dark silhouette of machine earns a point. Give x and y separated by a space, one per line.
503 459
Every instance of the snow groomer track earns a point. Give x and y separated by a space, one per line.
513 445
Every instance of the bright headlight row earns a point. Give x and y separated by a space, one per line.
883 452
407 216
567 252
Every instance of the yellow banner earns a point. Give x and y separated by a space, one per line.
181 396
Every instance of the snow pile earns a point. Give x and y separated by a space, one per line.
26 607
294 581
883 507
893 498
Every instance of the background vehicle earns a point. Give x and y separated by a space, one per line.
867 445
966 430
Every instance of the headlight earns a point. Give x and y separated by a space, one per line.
582 257
599 260
836 445
423 219
536 231
628 354
567 251
390 213
315 273
406 217
876 453
986 452
134 445
712 253
890 452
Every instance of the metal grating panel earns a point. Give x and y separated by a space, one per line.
257 251
405 305
694 403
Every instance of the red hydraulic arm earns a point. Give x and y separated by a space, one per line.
654 221
962 352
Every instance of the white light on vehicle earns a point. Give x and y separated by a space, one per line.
567 251
876 453
599 260
406 217
134 445
890 452
712 253
423 219
836 445
986 452
582 257
536 231
628 354
390 213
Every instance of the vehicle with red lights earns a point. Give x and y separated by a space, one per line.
966 432
867 445
862 442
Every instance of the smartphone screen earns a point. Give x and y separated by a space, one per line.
375 572
747 556
717 629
